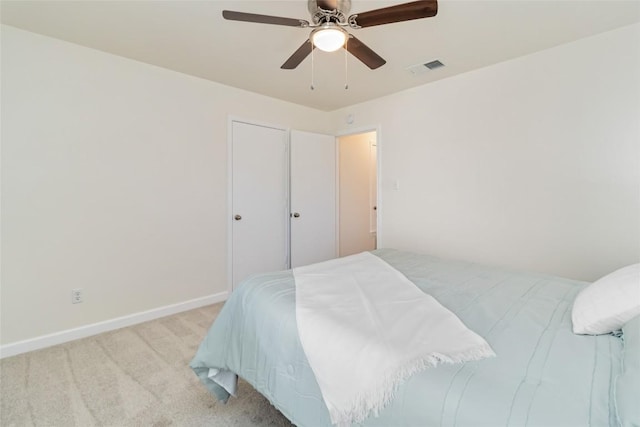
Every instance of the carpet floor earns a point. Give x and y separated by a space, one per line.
135 376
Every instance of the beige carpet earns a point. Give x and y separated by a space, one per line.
136 376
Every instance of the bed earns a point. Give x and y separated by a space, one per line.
543 374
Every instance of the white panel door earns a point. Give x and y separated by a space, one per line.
313 198
259 200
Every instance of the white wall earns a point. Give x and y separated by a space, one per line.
114 172
114 179
531 164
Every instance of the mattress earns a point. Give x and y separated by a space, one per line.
542 375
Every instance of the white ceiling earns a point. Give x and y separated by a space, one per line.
193 38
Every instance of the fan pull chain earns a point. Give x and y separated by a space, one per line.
312 64
346 67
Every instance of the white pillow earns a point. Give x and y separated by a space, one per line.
608 303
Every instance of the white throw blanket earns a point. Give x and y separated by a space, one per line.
365 328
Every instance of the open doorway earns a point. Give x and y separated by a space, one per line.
357 190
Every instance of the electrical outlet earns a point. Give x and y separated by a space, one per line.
76 296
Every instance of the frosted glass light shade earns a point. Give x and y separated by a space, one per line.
329 39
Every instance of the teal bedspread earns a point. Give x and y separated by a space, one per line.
543 375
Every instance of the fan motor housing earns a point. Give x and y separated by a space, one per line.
319 15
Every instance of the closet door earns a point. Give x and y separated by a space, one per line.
260 212
313 198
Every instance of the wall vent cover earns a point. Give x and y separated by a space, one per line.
423 68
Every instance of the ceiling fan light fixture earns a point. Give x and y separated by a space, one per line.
329 38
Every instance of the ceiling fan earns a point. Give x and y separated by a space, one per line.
329 17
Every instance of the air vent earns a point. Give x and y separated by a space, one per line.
434 64
423 68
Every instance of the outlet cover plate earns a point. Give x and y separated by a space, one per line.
76 296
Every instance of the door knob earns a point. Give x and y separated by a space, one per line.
296 215
237 217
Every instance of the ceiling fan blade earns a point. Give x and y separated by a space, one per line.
298 56
398 13
263 19
327 4
364 53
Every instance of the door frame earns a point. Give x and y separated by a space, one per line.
236 119
356 131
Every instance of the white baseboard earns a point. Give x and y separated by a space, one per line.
49 340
